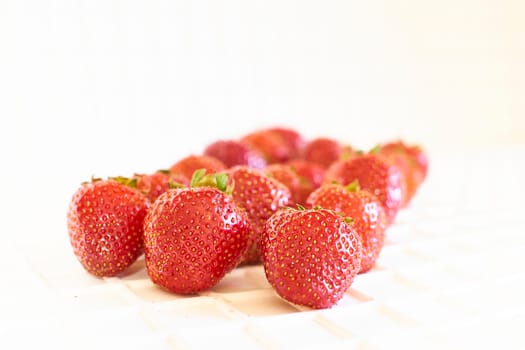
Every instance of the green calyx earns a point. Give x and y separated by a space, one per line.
218 180
375 149
174 185
300 207
353 186
126 181
349 220
93 180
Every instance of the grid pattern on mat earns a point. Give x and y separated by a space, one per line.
451 275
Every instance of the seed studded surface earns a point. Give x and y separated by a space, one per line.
374 175
412 163
193 237
188 165
153 185
368 216
310 257
105 226
260 196
323 151
233 153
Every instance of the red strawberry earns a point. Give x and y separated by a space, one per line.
261 196
309 171
272 145
105 226
193 237
232 152
369 219
153 185
310 256
187 166
325 151
412 162
374 175
310 176
291 138
284 174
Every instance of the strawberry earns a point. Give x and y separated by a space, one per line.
105 226
309 171
274 146
153 185
261 196
310 177
194 236
310 256
188 165
300 186
368 216
325 151
374 175
284 174
412 162
291 138
232 152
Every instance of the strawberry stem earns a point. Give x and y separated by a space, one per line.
126 181
222 181
375 149
197 177
218 181
353 186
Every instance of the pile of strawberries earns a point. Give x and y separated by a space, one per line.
314 213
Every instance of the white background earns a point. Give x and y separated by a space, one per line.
104 87
113 87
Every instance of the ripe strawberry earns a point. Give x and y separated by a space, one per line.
105 226
311 172
291 138
368 216
300 186
310 177
374 175
284 174
153 185
310 256
188 165
260 196
232 152
273 146
412 162
325 151
194 236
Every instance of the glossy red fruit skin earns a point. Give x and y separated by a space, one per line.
284 174
310 177
192 238
322 151
233 152
368 215
311 256
261 197
105 226
270 145
155 184
291 138
311 172
374 175
189 164
411 160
